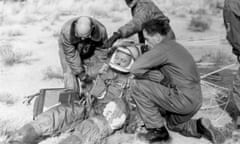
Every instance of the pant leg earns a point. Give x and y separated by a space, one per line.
236 89
151 97
233 107
58 119
90 131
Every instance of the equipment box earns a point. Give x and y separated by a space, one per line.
46 99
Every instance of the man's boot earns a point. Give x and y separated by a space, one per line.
155 135
25 135
208 131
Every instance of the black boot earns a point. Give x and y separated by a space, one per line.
208 131
155 135
25 135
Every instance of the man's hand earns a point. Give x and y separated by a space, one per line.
155 75
85 78
111 40
103 69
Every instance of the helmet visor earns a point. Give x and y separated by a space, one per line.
121 60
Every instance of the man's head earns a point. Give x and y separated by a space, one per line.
131 3
155 31
83 27
124 57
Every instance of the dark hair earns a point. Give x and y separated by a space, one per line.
157 26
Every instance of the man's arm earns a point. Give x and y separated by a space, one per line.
151 60
134 25
72 56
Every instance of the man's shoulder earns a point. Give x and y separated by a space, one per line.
100 32
66 28
171 46
234 6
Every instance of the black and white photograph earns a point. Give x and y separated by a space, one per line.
119 71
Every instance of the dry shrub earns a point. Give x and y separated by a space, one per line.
12 31
199 23
116 19
10 57
99 12
219 58
56 33
53 73
7 98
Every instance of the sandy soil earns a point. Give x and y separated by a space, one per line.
40 39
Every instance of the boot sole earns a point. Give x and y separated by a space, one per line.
208 126
211 131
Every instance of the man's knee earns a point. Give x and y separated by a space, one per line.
136 87
25 135
92 130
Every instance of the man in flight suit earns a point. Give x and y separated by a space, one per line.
167 87
142 11
81 57
80 44
109 111
231 17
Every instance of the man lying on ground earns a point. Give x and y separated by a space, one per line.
109 110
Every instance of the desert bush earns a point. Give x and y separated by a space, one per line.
99 12
11 31
116 19
219 58
7 98
40 42
199 23
56 33
52 73
9 57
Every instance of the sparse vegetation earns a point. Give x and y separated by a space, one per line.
51 14
52 73
7 98
116 19
99 12
219 58
9 57
55 33
40 42
199 23
12 32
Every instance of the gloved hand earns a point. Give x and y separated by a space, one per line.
144 48
155 76
111 40
86 84
86 79
111 51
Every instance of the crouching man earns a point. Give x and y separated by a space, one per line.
108 113
167 87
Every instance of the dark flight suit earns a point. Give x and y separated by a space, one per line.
167 84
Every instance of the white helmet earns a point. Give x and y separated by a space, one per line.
129 52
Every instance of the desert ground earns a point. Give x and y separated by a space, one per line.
29 52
